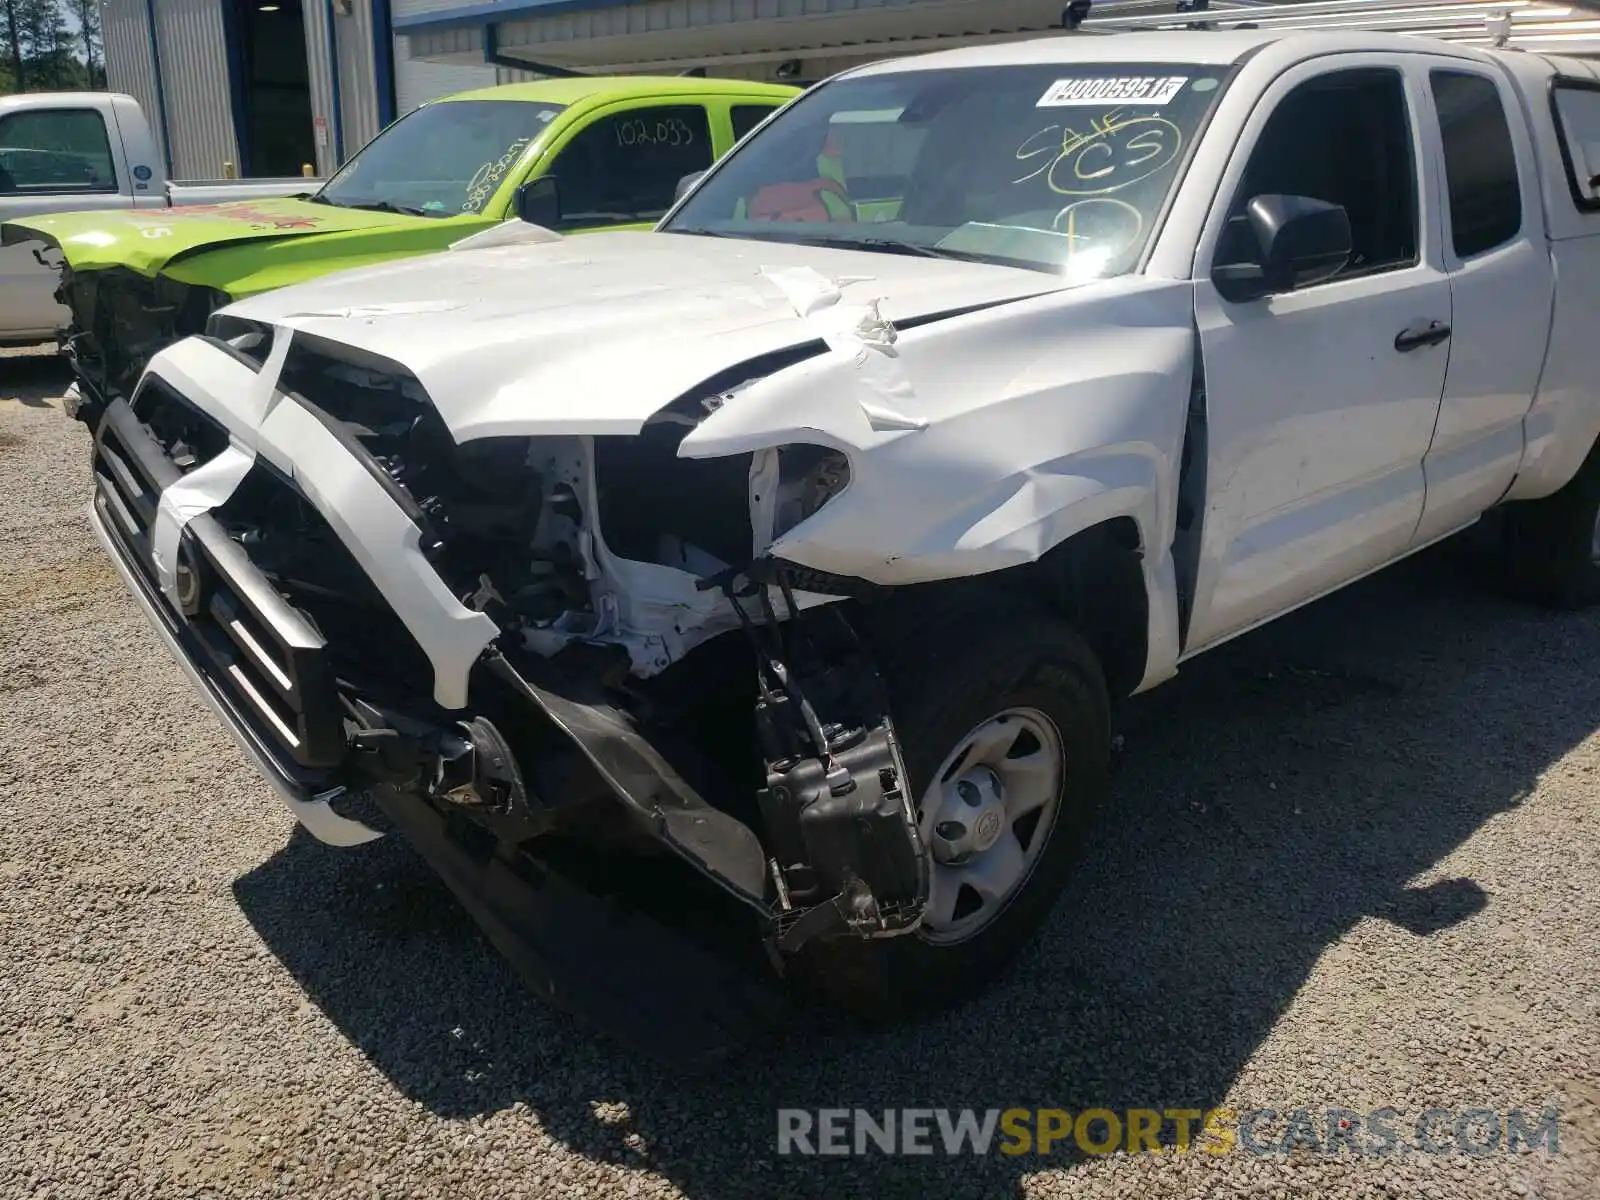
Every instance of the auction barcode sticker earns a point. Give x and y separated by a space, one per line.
1127 89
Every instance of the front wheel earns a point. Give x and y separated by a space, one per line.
1552 546
1005 733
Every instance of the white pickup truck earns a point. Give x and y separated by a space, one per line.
786 562
72 151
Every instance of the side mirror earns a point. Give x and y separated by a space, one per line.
538 202
684 184
1280 244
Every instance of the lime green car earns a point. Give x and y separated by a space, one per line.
617 147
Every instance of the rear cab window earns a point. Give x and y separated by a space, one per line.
63 151
1480 162
1577 113
746 117
876 153
870 154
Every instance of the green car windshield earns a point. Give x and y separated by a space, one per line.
440 160
1057 168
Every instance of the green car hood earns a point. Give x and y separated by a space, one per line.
148 241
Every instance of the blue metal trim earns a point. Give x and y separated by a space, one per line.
233 43
161 90
336 114
383 61
500 10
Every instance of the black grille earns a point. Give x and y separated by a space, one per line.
368 647
255 647
184 434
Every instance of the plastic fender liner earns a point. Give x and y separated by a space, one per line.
717 845
616 968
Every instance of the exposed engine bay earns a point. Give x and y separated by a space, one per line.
649 655
513 526
121 318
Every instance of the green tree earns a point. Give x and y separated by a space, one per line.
48 64
13 33
41 54
88 14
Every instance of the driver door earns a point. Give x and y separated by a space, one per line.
1320 402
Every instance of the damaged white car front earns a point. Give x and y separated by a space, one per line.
802 543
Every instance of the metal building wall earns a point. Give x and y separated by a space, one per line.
194 62
357 73
411 8
357 121
331 144
192 38
417 81
130 67
662 35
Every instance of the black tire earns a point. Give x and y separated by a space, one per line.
1548 544
952 679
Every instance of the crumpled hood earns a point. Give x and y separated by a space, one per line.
147 240
595 334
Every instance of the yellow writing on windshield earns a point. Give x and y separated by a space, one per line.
484 180
1118 151
1108 225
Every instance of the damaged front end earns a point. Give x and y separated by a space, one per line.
565 666
119 320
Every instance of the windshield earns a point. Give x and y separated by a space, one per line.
440 160
1055 168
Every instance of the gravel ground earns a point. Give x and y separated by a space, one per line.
1353 861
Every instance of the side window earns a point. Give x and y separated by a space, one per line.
1480 162
625 167
1578 115
1343 138
747 116
47 151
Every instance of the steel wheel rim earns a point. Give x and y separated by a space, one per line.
986 818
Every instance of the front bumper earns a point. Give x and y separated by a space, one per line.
312 809
644 983
280 685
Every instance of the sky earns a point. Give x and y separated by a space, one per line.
73 26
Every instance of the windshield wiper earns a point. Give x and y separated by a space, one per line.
882 245
387 206
886 246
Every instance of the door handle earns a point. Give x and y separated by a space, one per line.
1424 333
